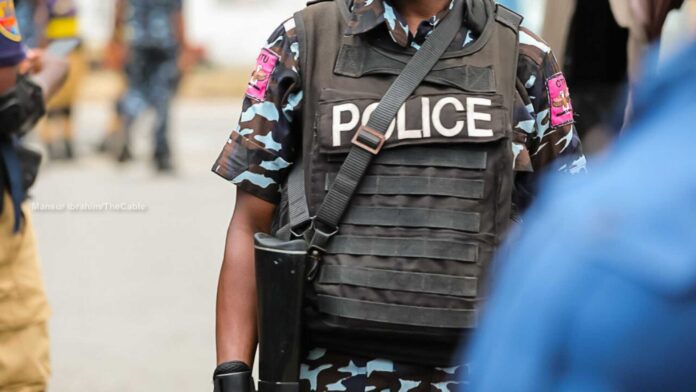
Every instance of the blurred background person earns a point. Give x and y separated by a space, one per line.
24 311
645 20
93 259
114 59
157 55
29 18
46 22
615 309
57 132
601 44
596 62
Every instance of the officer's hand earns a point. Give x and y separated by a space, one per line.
233 377
33 63
115 55
190 57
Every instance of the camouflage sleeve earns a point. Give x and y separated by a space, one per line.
261 149
552 137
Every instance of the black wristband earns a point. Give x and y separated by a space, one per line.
233 377
231 367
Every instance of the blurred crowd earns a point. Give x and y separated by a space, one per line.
42 63
601 46
644 192
148 47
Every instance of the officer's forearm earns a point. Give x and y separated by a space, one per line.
236 303
119 11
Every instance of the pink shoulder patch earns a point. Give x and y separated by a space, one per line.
261 77
559 101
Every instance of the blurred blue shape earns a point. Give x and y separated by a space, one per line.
598 291
512 4
24 10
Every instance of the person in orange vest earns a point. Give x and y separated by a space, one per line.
27 79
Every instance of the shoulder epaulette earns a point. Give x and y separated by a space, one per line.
508 17
343 6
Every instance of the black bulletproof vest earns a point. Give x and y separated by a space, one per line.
402 278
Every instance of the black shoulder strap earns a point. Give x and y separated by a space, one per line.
369 140
298 208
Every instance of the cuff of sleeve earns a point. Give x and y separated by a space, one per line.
242 157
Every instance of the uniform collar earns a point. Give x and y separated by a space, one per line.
368 14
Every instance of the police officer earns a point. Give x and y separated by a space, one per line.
24 348
155 36
400 279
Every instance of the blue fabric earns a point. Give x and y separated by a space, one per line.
25 17
150 23
615 308
512 4
11 54
153 77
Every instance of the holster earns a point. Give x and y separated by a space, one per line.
280 281
31 162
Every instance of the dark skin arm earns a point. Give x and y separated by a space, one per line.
115 53
179 28
189 56
236 299
119 11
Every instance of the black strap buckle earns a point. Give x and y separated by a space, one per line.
317 247
301 230
320 237
369 140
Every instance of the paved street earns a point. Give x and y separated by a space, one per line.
133 292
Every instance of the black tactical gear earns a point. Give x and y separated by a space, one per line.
401 277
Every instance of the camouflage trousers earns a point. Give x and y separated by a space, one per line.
323 370
153 77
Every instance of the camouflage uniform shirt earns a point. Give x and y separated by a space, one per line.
149 23
260 151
